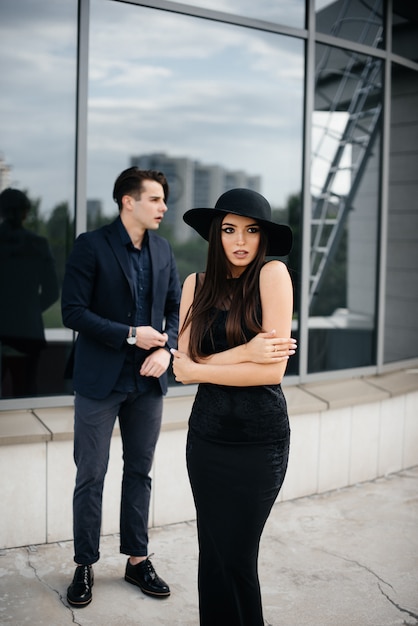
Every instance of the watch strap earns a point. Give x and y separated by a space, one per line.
131 339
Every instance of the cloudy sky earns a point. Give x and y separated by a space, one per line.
38 70
161 82
158 82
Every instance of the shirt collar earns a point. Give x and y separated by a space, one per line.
124 235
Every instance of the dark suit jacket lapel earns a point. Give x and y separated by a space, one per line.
121 252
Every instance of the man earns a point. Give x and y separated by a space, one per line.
28 287
121 294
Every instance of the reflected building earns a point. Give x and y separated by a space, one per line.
94 209
4 174
192 184
95 213
352 115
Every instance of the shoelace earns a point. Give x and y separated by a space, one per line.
149 566
86 572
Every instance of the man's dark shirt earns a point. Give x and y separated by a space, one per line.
130 379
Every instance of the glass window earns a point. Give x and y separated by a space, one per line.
38 46
354 20
405 29
346 132
401 312
286 12
214 106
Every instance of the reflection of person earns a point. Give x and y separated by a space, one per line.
28 286
121 293
238 439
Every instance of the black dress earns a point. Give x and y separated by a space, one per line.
237 452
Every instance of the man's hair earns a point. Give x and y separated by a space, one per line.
14 205
130 182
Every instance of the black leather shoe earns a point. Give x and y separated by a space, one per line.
146 578
79 592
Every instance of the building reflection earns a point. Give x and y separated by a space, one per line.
192 184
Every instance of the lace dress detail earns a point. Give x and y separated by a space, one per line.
228 414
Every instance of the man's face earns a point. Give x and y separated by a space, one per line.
149 210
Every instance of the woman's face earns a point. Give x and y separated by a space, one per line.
240 237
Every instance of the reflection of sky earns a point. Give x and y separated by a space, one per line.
193 88
322 4
288 12
37 108
159 82
327 130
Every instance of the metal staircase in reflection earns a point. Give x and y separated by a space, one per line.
353 144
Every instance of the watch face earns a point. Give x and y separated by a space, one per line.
131 340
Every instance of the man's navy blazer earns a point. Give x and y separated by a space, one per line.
98 302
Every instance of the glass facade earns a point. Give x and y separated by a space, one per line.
288 12
354 20
404 29
401 270
216 95
38 57
212 105
346 139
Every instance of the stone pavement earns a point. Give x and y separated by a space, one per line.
344 558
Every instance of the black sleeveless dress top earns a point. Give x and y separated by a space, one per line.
240 415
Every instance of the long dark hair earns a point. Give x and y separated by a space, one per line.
241 296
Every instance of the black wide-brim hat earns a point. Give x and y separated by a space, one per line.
247 203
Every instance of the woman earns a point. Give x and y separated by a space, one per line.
238 439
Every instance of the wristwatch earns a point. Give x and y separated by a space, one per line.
131 339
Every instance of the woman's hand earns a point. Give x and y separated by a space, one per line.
264 349
184 368
267 348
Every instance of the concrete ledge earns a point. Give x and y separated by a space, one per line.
344 393
20 427
300 400
396 383
56 424
343 433
176 412
60 422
